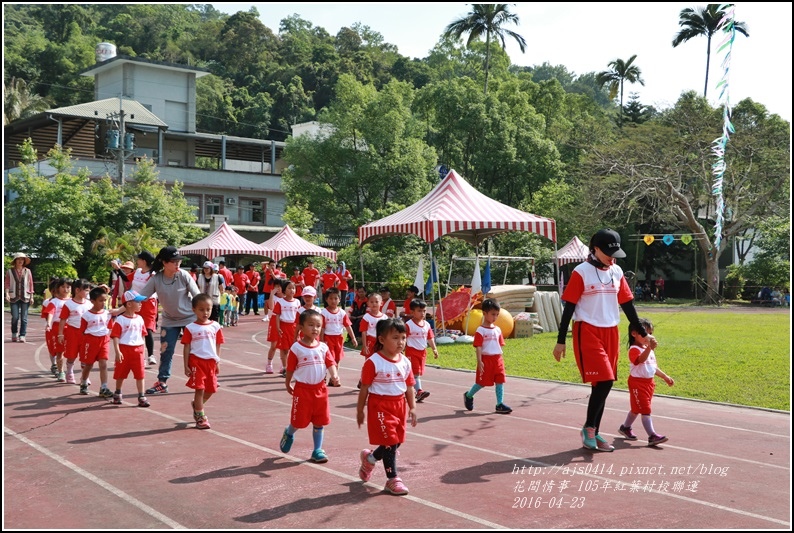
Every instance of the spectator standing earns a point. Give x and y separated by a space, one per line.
310 275
660 289
345 277
228 277
19 293
252 295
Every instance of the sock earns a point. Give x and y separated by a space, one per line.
118 391
141 395
52 359
500 393
291 430
648 425
317 436
473 390
83 382
104 386
69 367
630 418
418 384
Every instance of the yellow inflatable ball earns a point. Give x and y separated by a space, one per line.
505 322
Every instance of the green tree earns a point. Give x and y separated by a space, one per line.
619 72
488 20
635 112
21 101
696 21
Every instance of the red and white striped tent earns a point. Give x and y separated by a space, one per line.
223 241
287 243
457 209
574 252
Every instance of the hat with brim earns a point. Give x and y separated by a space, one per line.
608 241
309 291
169 253
128 265
208 264
132 296
20 255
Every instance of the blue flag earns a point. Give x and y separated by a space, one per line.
432 278
486 279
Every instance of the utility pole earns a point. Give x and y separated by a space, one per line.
119 142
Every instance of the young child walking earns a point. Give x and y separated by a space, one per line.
51 307
369 322
234 302
202 340
307 302
223 316
127 336
641 383
308 361
335 322
285 316
272 333
420 335
488 342
69 328
386 390
95 327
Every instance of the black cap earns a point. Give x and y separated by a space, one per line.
608 241
169 253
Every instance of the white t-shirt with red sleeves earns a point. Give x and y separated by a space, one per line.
203 339
130 331
72 311
490 339
96 324
387 378
335 323
139 280
369 323
286 310
418 335
646 369
388 307
309 363
54 308
597 294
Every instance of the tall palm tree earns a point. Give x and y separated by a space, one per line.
21 101
620 71
488 20
701 20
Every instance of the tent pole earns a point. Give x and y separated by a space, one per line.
443 326
361 260
556 268
432 294
468 305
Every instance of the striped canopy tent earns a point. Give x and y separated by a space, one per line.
221 242
574 252
287 243
457 209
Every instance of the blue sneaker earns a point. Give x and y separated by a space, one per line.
319 456
286 442
468 401
503 409
589 438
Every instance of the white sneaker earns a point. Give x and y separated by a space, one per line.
152 360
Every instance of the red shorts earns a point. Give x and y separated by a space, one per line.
370 346
596 352
641 394
272 332
94 348
148 313
203 374
310 405
417 358
72 341
386 419
51 339
336 345
494 371
287 337
133 361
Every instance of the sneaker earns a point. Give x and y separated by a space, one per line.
283 373
602 444
203 423
70 378
62 377
421 395
396 486
158 388
627 432
589 438
143 402
319 456
54 369
286 442
468 401
152 360
117 397
22 338
269 369
503 409
366 468
14 339
653 440
105 393
84 389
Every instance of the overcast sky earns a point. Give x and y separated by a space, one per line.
585 37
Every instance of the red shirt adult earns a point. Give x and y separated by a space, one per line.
297 279
253 280
271 273
344 276
310 275
241 281
228 277
329 279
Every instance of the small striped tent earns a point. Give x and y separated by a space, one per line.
574 252
223 241
287 243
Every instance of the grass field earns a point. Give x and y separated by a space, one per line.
738 358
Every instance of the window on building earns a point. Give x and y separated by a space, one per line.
194 201
213 205
252 210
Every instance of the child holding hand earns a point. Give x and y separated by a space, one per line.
335 322
95 326
202 340
127 335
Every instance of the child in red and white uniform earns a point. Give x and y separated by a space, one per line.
411 293
595 290
388 307
488 342
420 334
307 302
369 323
202 340
641 383
335 323
95 327
127 336
69 328
149 306
386 390
47 314
308 362
276 295
285 315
